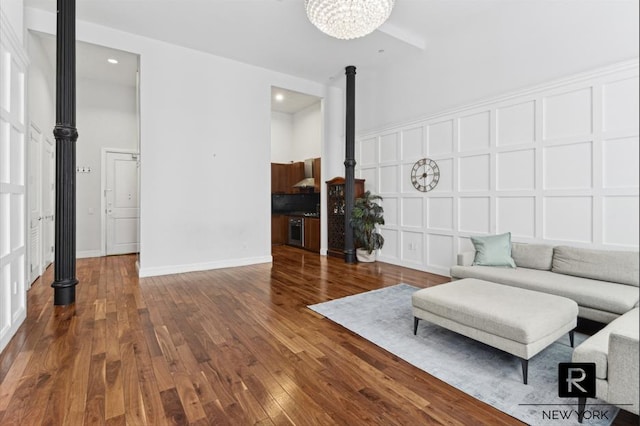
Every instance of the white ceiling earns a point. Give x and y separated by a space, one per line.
290 101
91 61
277 35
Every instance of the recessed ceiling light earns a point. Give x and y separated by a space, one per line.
112 61
279 97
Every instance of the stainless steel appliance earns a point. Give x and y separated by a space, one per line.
296 231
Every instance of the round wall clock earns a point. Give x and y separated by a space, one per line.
425 174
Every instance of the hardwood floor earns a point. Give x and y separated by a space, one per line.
229 346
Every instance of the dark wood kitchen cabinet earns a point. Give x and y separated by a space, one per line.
285 175
312 234
280 178
335 213
279 229
296 174
317 163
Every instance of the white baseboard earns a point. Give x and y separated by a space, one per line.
432 270
9 332
193 267
88 253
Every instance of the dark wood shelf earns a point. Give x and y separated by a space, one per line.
335 213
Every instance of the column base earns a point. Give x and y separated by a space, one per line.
350 256
64 292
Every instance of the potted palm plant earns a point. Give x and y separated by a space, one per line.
365 217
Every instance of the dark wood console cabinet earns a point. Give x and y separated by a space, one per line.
335 213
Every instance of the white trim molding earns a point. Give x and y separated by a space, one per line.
204 266
555 164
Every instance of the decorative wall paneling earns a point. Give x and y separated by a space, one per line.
13 213
555 164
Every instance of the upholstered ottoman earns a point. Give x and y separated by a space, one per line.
518 321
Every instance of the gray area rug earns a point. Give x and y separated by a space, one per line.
384 317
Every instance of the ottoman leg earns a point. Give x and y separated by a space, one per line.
525 369
571 337
415 325
582 402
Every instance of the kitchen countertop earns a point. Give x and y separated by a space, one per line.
304 214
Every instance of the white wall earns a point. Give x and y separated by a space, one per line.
526 44
13 13
307 133
13 188
106 118
281 137
333 149
205 151
41 87
557 164
296 137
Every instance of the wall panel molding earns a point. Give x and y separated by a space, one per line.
553 164
13 189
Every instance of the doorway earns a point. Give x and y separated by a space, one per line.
107 90
121 203
296 148
35 210
48 201
41 190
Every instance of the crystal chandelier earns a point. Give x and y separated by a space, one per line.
348 19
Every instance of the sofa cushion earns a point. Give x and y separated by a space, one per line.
614 266
533 256
493 250
599 295
596 348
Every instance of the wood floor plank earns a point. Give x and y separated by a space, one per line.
7 389
188 397
133 402
95 402
173 409
150 391
114 392
76 398
222 347
199 381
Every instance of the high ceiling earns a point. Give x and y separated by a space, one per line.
290 102
277 35
91 61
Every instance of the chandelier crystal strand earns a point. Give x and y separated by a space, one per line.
348 19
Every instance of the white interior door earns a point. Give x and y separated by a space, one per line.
48 201
35 204
122 204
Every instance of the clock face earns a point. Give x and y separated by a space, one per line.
425 175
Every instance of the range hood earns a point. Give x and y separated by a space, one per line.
308 181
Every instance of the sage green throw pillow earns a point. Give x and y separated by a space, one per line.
493 250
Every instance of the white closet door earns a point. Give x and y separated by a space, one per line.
122 204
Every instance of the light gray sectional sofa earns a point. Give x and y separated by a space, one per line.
604 284
614 350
